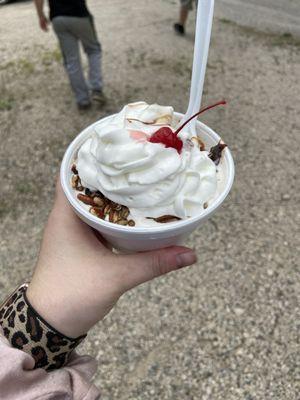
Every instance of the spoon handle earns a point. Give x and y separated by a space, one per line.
204 21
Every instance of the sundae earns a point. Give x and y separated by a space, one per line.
140 167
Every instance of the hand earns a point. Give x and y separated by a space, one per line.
78 279
44 23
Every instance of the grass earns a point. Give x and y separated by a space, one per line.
25 66
7 66
50 56
6 104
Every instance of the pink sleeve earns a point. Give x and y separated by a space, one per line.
19 381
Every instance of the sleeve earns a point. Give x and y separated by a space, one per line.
20 381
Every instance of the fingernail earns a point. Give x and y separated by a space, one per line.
185 259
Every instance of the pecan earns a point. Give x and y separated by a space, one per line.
74 169
113 205
98 201
116 216
85 199
122 222
92 211
124 212
131 222
97 211
199 142
106 209
74 181
111 215
79 185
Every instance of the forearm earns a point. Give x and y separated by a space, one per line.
39 4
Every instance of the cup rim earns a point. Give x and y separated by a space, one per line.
68 190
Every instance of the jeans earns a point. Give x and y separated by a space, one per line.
70 31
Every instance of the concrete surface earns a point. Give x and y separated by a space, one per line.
267 15
227 328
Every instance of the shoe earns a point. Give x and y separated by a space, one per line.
98 97
179 29
84 106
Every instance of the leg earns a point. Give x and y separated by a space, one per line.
92 48
185 7
183 15
70 50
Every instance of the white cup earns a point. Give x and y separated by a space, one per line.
132 239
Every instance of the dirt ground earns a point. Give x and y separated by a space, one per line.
227 328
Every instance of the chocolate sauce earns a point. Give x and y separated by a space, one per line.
216 152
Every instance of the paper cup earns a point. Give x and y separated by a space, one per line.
132 239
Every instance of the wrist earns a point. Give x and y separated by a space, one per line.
27 330
57 309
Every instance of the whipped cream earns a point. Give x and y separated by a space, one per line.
150 179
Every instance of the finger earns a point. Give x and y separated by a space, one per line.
141 267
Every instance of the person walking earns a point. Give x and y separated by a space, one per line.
185 7
73 23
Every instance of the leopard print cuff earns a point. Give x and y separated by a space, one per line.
26 330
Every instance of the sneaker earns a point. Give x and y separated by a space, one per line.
84 106
98 97
179 29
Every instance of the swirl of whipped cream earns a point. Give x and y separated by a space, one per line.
152 180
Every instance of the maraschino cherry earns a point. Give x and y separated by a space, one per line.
166 136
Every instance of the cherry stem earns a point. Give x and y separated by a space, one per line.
223 102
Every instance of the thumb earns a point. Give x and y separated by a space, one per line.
142 267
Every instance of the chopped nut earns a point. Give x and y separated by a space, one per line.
92 211
116 217
122 222
106 209
111 215
97 211
131 222
74 181
205 205
199 142
85 199
74 169
124 212
98 201
113 205
79 185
